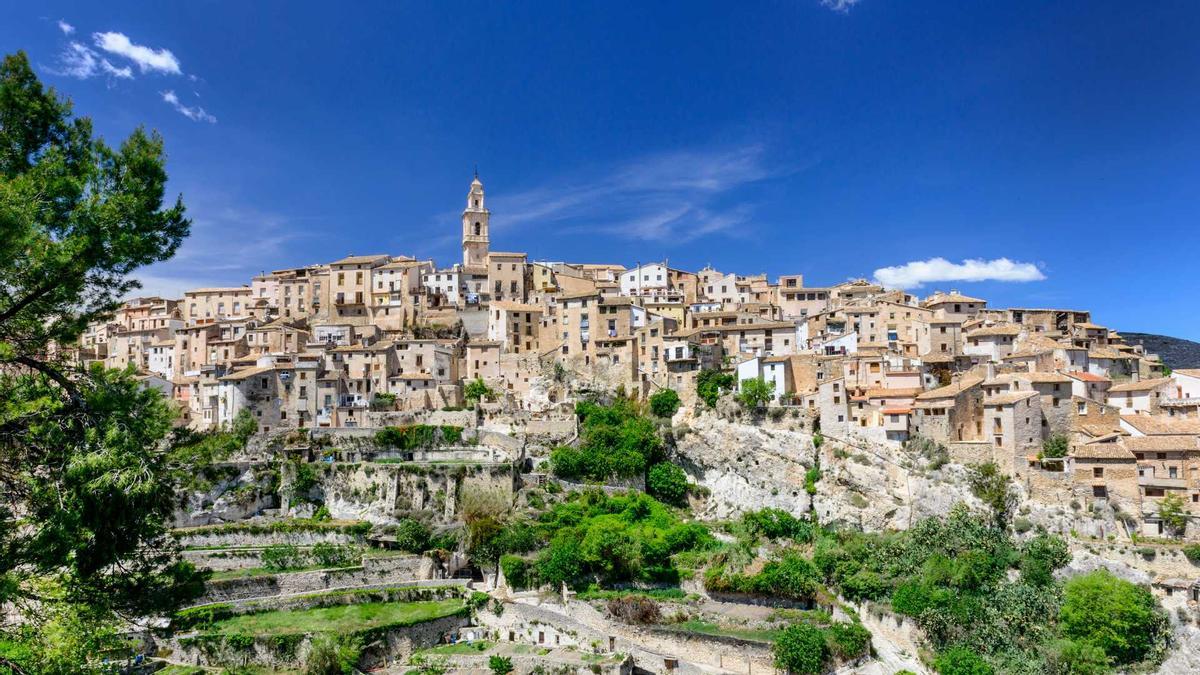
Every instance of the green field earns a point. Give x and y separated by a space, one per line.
262 571
339 619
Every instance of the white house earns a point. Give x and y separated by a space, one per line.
651 279
1140 396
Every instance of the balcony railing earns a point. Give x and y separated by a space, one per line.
1162 481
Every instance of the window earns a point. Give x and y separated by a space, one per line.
1097 472
1082 408
1100 491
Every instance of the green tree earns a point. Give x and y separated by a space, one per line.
667 483
244 426
801 648
1113 614
1042 555
994 489
709 384
478 390
1173 512
664 403
87 494
1056 446
333 655
756 392
1068 657
961 661
411 535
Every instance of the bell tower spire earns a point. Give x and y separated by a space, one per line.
475 227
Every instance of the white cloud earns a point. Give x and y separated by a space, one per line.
673 196
842 6
82 62
65 27
919 272
146 58
195 113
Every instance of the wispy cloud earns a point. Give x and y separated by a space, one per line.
65 27
264 241
842 6
674 196
146 58
80 61
195 113
920 272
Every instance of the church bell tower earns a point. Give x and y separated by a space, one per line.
475 227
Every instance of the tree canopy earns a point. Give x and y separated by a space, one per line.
88 498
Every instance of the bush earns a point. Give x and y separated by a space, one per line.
810 479
477 390
709 384
1113 614
637 609
777 524
411 535
500 665
244 426
667 483
330 655
1077 658
304 479
664 403
801 648
282 557
1056 446
1173 512
848 641
756 392
334 555
994 489
961 661
1041 556
616 441
1192 551
322 514
516 571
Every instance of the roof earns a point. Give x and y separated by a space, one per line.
952 296
1190 372
227 289
1084 376
1102 449
953 389
360 259
245 373
1141 385
1165 443
503 254
509 306
995 331
1009 397
896 411
1157 425
1106 353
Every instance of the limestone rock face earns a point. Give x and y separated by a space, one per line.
745 467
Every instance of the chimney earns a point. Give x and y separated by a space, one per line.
991 370
1135 375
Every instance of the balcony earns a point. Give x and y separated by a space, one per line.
1179 402
1162 482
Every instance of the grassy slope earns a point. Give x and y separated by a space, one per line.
339 619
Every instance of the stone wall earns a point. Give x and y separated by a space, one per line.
970 453
247 535
382 571
399 591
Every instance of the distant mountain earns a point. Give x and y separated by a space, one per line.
1175 352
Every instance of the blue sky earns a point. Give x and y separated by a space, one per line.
831 138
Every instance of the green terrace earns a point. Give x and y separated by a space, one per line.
339 619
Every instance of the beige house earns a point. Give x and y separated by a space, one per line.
514 325
506 276
216 303
951 413
1140 396
350 287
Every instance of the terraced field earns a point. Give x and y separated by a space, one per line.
341 619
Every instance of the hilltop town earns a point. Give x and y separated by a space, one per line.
379 395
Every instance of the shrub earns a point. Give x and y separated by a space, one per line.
322 514
411 535
244 425
1192 551
634 609
848 641
1041 556
304 479
994 489
1056 446
777 524
667 483
1115 615
516 571
801 648
664 403
1077 658
756 392
334 555
500 665
810 479
709 384
478 390
331 655
961 661
282 557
